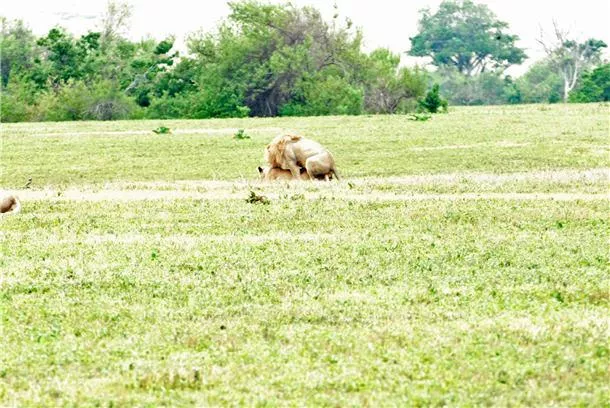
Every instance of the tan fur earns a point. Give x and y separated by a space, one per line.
291 152
10 204
275 173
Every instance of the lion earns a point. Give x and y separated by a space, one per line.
291 152
10 204
275 173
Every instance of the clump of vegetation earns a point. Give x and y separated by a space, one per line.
594 86
433 102
254 198
241 134
420 117
162 130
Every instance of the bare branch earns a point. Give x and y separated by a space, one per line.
115 19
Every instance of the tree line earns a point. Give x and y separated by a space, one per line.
284 60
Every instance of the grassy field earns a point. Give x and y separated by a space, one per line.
461 261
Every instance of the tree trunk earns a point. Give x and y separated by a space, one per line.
569 81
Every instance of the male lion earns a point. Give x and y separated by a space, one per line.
10 204
290 152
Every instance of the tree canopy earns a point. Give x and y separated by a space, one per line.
263 60
467 36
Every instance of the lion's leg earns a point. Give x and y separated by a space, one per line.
310 167
317 168
296 171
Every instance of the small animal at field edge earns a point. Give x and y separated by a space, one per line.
10 204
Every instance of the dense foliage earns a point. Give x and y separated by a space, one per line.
466 36
594 86
264 60
272 60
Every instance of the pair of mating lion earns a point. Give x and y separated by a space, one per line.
297 158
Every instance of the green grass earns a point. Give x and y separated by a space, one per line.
345 298
560 137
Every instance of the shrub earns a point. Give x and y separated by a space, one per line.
240 135
162 130
433 102
69 102
17 101
594 86
540 84
108 102
168 107
389 88
420 117
317 96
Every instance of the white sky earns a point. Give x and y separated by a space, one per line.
385 23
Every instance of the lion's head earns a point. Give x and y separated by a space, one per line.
274 151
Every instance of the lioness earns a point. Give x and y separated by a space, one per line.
10 204
275 173
291 152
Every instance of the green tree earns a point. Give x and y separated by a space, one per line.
17 49
433 102
594 86
63 58
487 88
466 36
261 56
264 60
324 95
147 67
17 102
540 84
68 102
390 88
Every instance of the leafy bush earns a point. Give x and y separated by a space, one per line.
254 198
419 117
240 135
433 102
317 95
540 84
168 107
74 100
17 102
487 88
108 102
594 86
389 88
162 130
70 101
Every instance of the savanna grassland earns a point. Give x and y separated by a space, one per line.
461 261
